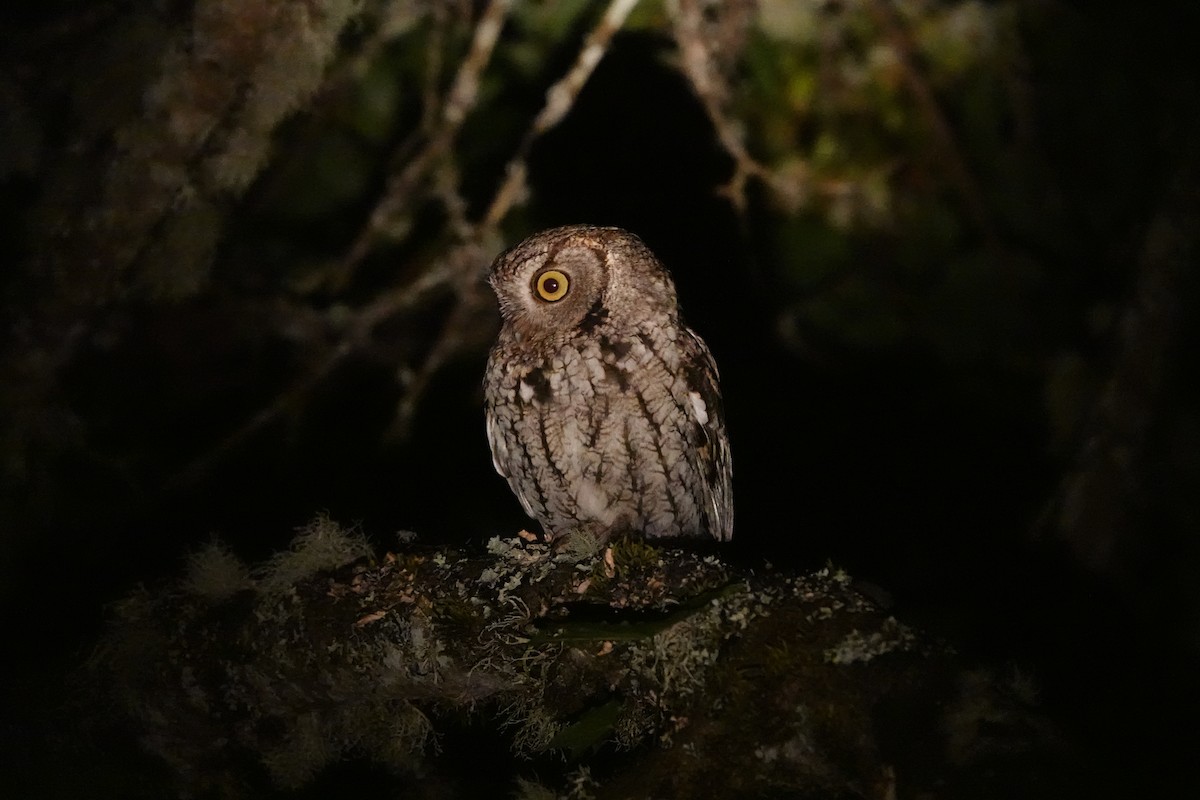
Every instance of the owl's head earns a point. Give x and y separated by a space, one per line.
573 278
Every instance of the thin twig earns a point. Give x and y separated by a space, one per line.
699 67
456 335
470 255
559 99
457 269
460 100
359 329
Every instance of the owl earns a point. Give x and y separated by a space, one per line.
603 408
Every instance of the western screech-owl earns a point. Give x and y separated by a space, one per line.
603 409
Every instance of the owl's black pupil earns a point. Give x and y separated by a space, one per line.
550 285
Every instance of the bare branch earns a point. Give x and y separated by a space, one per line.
459 268
559 99
459 102
349 656
699 66
357 328
471 254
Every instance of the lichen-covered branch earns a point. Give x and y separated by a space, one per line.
698 673
199 135
172 117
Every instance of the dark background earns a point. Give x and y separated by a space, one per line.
931 472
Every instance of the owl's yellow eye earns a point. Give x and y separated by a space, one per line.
552 285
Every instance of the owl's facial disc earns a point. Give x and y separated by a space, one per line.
557 288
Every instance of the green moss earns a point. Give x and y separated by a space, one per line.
215 574
320 545
626 558
532 790
536 730
633 556
778 660
588 731
457 618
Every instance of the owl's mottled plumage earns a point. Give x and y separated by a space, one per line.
603 409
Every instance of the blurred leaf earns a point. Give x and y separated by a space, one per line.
808 252
376 100
856 312
589 731
337 171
